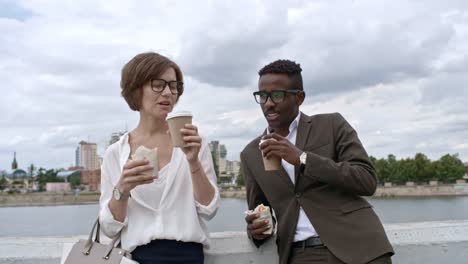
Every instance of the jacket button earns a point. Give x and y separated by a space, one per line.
298 195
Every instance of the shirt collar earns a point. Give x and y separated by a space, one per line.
293 124
124 150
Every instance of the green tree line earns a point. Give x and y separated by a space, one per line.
50 175
47 175
419 169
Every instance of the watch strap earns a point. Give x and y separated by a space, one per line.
122 196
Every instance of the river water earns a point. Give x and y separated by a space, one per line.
77 219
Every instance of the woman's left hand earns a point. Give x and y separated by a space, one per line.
192 142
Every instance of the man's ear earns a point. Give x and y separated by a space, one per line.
300 97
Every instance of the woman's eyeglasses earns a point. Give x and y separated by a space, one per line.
158 86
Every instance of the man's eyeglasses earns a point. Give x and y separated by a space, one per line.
277 96
158 86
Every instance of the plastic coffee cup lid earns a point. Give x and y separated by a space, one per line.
179 114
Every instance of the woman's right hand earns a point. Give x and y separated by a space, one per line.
132 175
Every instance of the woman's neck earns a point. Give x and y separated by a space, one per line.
150 126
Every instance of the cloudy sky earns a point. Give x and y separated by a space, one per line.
396 70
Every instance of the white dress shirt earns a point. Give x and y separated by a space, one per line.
304 227
164 209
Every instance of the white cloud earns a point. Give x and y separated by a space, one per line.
396 70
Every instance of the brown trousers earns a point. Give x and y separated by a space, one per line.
321 255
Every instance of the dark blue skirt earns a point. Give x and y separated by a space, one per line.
170 252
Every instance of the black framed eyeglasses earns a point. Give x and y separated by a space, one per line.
158 86
277 96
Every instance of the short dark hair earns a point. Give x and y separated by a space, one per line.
291 68
141 69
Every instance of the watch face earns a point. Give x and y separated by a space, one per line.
303 158
116 194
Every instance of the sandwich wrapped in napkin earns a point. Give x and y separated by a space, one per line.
265 214
149 154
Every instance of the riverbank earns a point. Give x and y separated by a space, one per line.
51 199
459 189
47 199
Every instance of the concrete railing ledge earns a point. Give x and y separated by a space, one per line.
427 232
420 242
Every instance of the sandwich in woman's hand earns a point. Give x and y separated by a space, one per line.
149 154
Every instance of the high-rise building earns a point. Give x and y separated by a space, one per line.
214 145
232 167
77 157
222 159
214 149
86 154
219 153
115 137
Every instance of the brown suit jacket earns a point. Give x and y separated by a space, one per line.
337 173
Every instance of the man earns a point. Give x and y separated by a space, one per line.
316 195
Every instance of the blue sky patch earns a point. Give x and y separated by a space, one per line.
10 9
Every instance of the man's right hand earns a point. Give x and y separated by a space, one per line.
256 228
132 177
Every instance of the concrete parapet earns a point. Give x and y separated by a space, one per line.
421 242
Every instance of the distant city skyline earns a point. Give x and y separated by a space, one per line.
115 136
87 156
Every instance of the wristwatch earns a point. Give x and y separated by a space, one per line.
118 195
302 159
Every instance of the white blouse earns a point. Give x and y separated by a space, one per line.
164 209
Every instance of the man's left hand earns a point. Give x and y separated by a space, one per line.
276 145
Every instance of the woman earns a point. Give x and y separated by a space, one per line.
161 219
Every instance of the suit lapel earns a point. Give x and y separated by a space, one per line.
303 130
284 176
